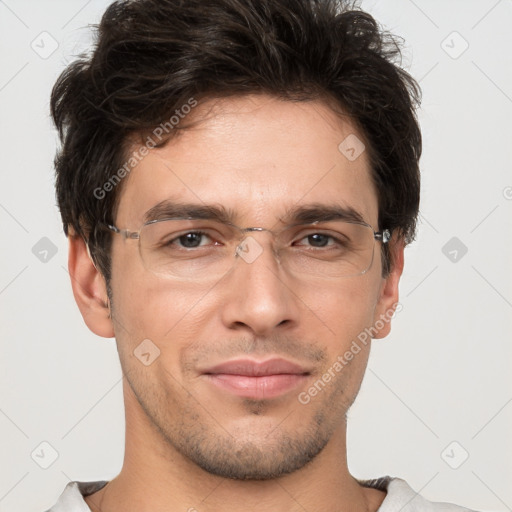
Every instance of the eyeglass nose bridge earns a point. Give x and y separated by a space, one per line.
249 252
255 229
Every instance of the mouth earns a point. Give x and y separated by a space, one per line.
257 379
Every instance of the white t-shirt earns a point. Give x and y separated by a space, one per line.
400 497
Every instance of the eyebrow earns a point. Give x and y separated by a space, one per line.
298 214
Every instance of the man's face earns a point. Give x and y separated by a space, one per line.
257 157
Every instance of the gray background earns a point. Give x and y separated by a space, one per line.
437 390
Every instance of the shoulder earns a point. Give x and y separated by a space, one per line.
402 497
72 497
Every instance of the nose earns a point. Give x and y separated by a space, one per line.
259 295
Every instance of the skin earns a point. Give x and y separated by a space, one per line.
189 445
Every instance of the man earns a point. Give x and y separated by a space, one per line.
238 180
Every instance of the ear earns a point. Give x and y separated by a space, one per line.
388 297
89 288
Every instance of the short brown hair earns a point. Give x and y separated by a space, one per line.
152 56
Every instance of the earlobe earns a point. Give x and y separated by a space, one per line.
89 288
389 296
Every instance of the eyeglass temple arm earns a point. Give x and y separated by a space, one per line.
384 236
125 233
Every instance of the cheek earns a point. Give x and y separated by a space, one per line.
342 314
342 310
348 312
147 305
170 315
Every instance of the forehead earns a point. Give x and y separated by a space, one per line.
256 157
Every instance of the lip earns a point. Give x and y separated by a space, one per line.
257 379
252 368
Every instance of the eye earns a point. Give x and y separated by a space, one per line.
320 240
191 240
